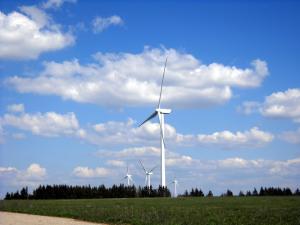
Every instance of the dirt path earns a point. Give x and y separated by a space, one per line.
8 218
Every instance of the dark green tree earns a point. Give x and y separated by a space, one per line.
210 194
241 194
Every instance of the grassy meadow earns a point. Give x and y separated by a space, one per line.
155 211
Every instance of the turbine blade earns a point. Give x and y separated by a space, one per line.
143 166
149 118
146 180
162 82
152 169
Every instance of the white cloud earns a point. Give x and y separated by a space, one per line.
148 153
7 170
291 136
287 167
16 108
116 163
128 80
27 34
56 3
222 171
115 133
127 133
131 152
284 104
238 163
235 173
179 160
100 23
86 172
49 124
38 16
252 138
31 176
35 171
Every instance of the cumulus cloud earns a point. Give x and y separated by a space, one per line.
252 138
118 133
149 153
176 160
28 33
239 163
114 133
236 173
7 170
193 168
116 163
56 3
35 171
16 108
86 172
100 23
49 124
31 176
129 80
287 167
251 167
131 152
284 104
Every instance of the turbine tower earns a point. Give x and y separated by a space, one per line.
161 116
148 175
128 177
175 182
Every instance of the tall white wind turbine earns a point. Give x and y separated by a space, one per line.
148 175
161 116
128 177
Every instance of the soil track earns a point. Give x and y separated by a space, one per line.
8 218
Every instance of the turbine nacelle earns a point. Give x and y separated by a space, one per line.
163 111
128 177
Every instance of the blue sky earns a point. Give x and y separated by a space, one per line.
77 77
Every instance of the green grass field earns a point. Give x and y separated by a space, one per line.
217 210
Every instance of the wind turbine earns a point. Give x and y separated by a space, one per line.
160 112
175 182
148 175
128 177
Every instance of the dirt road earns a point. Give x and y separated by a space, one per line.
7 218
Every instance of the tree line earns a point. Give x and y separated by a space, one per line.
122 191
264 191
83 192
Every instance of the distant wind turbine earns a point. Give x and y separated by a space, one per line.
161 115
175 182
148 175
128 177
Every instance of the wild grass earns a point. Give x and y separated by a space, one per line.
168 211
